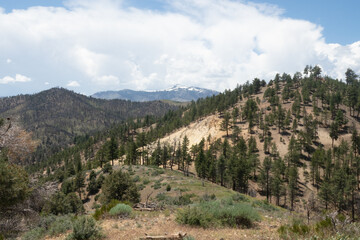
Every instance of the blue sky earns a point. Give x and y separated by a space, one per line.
92 45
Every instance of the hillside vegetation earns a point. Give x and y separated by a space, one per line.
292 143
57 116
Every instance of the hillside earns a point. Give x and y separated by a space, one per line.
57 115
283 124
291 144
177 93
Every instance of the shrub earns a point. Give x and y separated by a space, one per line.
74 204
60 225
107 168
67 186
121 210
295 230
60 203
146 181
97 197
168 188
184 199
157 172
179 201
157 185
216 213
119 185
85 228
136 178
207 197
34 234
105 209
141 186
14 184
239 198
264 205
100 180
49 225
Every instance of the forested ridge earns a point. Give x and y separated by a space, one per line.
56 116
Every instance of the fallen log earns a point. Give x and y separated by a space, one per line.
179 236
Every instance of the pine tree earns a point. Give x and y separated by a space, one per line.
334 132
92 187
79 182
293 186
221 168
265 177
277 184
112 150
325 192
225 124
184 152
280 117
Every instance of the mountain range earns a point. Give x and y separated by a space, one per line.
57 115
177 93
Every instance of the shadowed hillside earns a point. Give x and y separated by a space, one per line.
57 115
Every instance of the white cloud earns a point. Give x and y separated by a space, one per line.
207 43
73 84
8 60
18 78
108 80
46 83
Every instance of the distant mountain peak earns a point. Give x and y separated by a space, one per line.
178 93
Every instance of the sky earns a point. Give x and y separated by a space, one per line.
96 45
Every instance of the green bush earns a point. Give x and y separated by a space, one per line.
49 225
107 168
216 213
157 172
105 209
67 186
34 234
146 181
240 198
157 185
207 197
14 183
60 203
141 186
295 230
60 225
120 186
85 228
178 201
168 188
264 205
121 210
184 200
136 178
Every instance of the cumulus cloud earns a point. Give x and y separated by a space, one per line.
18 78
208 43
8 60
73 84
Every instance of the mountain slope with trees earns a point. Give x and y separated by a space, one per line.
282 140
292 142
57 116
